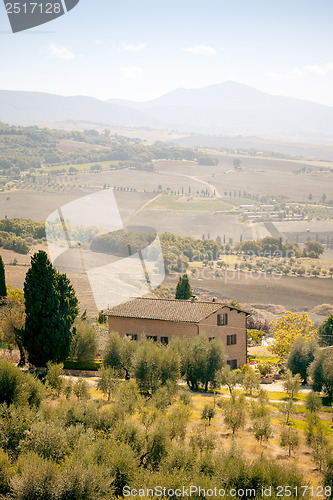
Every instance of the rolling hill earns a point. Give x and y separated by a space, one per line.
22 107
232 108
223 109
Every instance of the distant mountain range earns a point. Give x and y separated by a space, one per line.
224 109
20 106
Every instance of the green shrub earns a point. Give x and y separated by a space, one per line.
81 389
119 353
32 390
14 422
53 376
15 243
208 413
102 320
185 396
10 380
157 445
129 433
328 478
5 472
92 366
68 388
71 414
207 465
240 473
47 439
289 438
107 380
74 433
83 482
202 439
122 467
313 402
128 398
85 342
36 479
164 396
179 416
180 458
17 387
234 413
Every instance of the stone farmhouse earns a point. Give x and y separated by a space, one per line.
164 319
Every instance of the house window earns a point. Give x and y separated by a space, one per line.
164 340
132 336
152 337
231 339
222 319
211 338
232 363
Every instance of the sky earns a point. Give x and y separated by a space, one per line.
139 50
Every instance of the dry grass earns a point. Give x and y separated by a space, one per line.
259 350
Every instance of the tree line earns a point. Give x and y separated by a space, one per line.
178 251
16 234
271 246
197 361
24 148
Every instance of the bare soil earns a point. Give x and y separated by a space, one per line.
268 296
260 176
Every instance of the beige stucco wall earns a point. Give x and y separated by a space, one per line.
236 326
125 326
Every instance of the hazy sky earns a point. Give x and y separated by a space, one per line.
139 50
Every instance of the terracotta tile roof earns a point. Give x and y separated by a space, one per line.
166 309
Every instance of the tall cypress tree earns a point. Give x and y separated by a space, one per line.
51 308
183 289
3 289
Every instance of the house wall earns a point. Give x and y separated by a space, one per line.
143 327
236 326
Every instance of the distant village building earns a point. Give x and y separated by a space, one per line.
267 341
163 320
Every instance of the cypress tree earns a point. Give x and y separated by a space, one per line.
183 289
3 289
51 308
